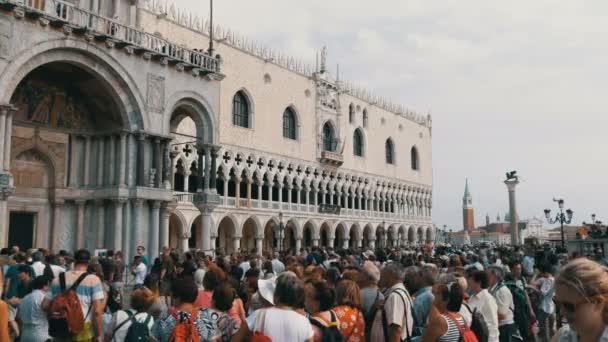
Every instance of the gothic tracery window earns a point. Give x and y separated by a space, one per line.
329 140
358 143
289 124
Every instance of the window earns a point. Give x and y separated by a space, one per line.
289 124
329 140
414 158
389 151
365 118
351 113
240 110
358 143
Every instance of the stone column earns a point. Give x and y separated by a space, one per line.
201 152
112 160
122 164
372 243
167 165
8 133
280 192
331 197
3 219
206 179
153 232
237 191
131 161
138 233
260 190
206 228
236 243
100 243
141 160
165 214
157 158
173 155
298 244
73 181
187 180
299 196
258 244
323 197
315 242
57 224
345 243
3 116
127 232
330 241
81 205
226 191
87 162
100 161
288 197
118 223
511 185
213 176
248 192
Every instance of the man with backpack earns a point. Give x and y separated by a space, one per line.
394 321
504 300
76 288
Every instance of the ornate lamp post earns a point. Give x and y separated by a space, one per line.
281 231
560 217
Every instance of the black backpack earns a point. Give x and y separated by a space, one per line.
138 331
479 326
329 333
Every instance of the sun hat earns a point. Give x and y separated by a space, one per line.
266 288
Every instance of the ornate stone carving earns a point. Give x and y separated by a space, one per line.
156 93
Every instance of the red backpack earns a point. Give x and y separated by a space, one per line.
466 334
258 335
184 330
65 314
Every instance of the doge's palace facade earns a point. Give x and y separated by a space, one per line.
127 131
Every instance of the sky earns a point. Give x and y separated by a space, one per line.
512 85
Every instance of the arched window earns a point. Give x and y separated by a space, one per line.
329 140
240 110
351 113
365 118
390 153
289 124
358 143
414 158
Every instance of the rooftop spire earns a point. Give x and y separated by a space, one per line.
467 193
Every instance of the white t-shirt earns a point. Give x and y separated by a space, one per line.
280 324
121 316
396 313
486 305
140 273
504 300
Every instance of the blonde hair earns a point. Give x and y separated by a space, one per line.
588 278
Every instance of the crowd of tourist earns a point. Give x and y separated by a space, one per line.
425 294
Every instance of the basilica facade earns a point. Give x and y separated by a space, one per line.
135 131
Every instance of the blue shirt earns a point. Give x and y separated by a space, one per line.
422 305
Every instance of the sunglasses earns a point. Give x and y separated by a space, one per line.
569 307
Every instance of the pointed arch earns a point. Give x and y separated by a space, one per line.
414 158
242 109
389 148
290 123
330 142
358 143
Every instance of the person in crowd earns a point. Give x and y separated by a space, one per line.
23 288
167 272
581 292
183 311
424 296
119 273
351 322
141 301
33 319
484 302
219 325
277 264
397 307
158 305
446 322
319 298
4 327
546 312
141 251
90 294
280 322
368 284
139 270
504 301
213 278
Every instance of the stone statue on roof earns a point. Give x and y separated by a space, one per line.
323 59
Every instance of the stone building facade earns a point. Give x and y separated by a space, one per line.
127 131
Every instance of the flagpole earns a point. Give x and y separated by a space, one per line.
210 28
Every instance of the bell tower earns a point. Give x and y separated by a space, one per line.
468 214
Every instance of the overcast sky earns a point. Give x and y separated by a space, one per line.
510 84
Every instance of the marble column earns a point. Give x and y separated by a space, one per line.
131 161
118 223
207 177
206 228
237 191
73 180
225 191
165 214
80 234
99 204
331 197
330 241
8 132
299 196
187 180
258 245
3 115
167 165
236 243
249 192
122 164
57 225
315 242
138 229
158 159
288 197
111 160
100 161
372 243
87 161
201 152
127 231
213 176
141 160
298 245
280 193
154 231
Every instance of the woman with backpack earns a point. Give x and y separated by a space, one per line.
446 324
129 325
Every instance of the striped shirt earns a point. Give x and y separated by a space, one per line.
452 334
89 290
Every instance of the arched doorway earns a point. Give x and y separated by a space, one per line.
195 241
175 232
226 230
325 234
380 237
67 127
391 237
289 241
367 235
354 236
430 234
420 235
271 241
308 234
250 229
411 235
341 239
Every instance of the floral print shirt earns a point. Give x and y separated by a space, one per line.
211 325
351 323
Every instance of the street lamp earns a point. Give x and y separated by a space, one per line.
281 230
560 217
385 233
